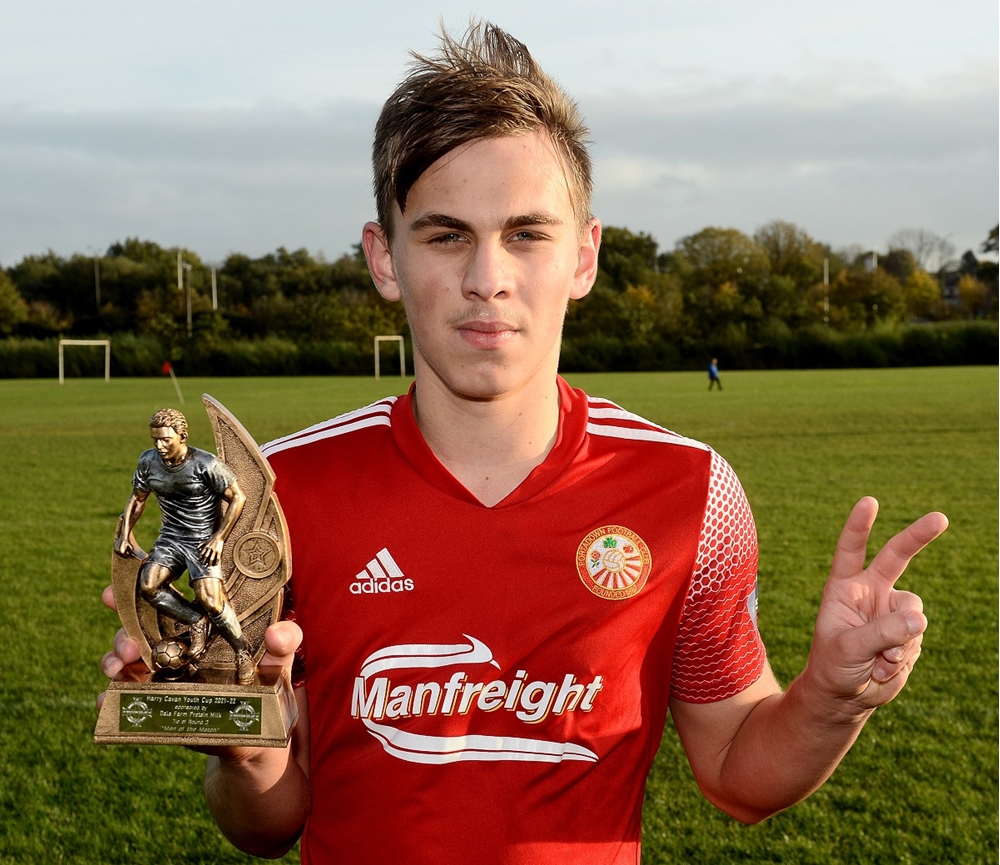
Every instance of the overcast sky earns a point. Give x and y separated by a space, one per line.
238 125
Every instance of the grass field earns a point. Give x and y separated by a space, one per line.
920 786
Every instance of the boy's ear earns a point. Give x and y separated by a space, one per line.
378 254
586 268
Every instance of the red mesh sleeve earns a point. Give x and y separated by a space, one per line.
719 651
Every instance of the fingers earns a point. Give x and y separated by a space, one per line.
849 557
892 640
111 664
108 597
126 648
281 640
126 651
895 658
893 558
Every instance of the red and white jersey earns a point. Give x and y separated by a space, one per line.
490 684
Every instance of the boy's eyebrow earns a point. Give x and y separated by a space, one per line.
538 218
442 220
439 220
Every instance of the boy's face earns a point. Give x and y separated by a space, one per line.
486 258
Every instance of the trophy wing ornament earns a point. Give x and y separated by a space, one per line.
256 560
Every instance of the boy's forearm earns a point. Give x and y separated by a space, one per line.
260 801
785 749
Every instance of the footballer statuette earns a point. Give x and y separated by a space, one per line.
198 682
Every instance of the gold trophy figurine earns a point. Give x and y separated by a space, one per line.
198 681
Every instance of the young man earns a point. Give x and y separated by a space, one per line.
504 584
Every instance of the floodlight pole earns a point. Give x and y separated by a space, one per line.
215 294
187 295
826 291
97 277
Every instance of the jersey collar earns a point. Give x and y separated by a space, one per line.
570 438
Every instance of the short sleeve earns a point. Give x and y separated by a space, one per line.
140 480
719 652
218 476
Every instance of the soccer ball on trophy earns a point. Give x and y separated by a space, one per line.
171 657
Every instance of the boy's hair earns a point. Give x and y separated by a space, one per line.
169 417
485 86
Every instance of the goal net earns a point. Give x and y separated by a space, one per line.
402 354
107 355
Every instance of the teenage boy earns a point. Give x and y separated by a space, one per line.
504 584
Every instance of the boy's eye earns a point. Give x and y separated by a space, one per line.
526 235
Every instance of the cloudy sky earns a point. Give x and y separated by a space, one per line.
240 125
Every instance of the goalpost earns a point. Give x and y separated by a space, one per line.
402 353
107 354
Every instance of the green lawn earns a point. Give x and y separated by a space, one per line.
920 786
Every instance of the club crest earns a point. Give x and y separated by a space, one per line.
613 562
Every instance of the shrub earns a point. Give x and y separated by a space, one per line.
952 343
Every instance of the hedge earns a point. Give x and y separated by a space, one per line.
939 344
957 343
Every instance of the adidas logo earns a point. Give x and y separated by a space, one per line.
381 575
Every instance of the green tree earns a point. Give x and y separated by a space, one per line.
791 253
38 277
972 294
860 299
724 275
922 294
13 309
720 255
625 258
632 305
899 263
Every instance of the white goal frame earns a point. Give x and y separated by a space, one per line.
107 355
402 354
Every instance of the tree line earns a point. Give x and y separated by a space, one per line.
719 291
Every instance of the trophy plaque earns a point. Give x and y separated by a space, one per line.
198 682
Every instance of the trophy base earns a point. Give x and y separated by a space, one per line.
208 708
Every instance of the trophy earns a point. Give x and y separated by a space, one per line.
198 682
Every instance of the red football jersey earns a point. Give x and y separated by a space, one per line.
490 684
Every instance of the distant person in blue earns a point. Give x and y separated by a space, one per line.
713 374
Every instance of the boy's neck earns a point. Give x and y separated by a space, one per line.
489 446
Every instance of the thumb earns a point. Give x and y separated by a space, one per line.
887 632
281 640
